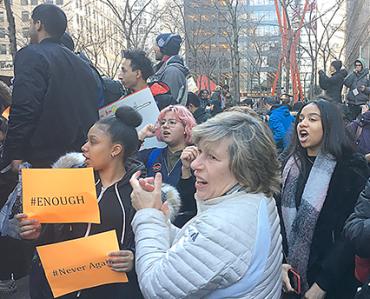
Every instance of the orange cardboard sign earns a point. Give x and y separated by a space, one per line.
6 113
79 264
60 195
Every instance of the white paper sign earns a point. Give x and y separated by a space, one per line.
143 102
355 92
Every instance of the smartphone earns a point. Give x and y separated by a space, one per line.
295 281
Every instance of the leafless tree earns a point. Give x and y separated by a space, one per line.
231 12
136 20
320 44
11 28
201 33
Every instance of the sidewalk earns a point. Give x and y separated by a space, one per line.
22 290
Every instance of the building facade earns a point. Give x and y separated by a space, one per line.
209 42
260 47
92 25
357 31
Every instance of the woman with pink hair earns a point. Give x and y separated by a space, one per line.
173 127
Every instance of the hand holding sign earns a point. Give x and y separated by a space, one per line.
81 263
121 261
29 229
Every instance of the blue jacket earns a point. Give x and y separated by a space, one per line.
155 160
280 123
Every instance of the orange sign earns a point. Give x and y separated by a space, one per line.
6 113
80 264
60 195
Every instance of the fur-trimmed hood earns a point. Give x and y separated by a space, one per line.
172 197
169 193
70 160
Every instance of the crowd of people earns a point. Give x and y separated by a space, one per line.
258 200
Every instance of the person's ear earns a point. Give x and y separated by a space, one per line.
139 75
38 25
117 149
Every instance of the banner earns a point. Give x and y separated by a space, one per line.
143 102
60 195
79 264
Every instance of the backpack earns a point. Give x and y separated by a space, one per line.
109 90
112 90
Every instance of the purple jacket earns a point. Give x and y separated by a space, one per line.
363 141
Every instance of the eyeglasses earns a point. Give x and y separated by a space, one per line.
358 64
170 122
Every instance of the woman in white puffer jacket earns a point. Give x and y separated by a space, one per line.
232 247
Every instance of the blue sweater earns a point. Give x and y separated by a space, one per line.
281 123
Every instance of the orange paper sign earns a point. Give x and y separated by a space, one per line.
6 113
60 195
79 264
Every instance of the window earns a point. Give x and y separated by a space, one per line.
25 16
25 32
24 2
59 2
2 32
3 49
1 16
34 2
49 1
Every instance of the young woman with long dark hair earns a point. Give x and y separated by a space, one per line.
322 179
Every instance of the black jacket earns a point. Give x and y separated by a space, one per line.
201 115
333 85
111 218
331 261
357 228
55 100
355 81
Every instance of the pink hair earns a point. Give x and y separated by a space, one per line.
183 115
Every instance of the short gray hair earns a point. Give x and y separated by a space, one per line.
252 152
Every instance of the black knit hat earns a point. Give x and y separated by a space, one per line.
337 64
169 43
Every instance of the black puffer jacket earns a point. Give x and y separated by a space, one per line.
333 85
357 228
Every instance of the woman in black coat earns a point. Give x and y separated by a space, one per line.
357 230
322 178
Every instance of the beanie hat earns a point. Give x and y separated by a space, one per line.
337 64
169 43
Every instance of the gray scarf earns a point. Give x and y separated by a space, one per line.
300 223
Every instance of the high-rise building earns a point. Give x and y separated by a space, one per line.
206 46
209 41
358 31
259 46
92 25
